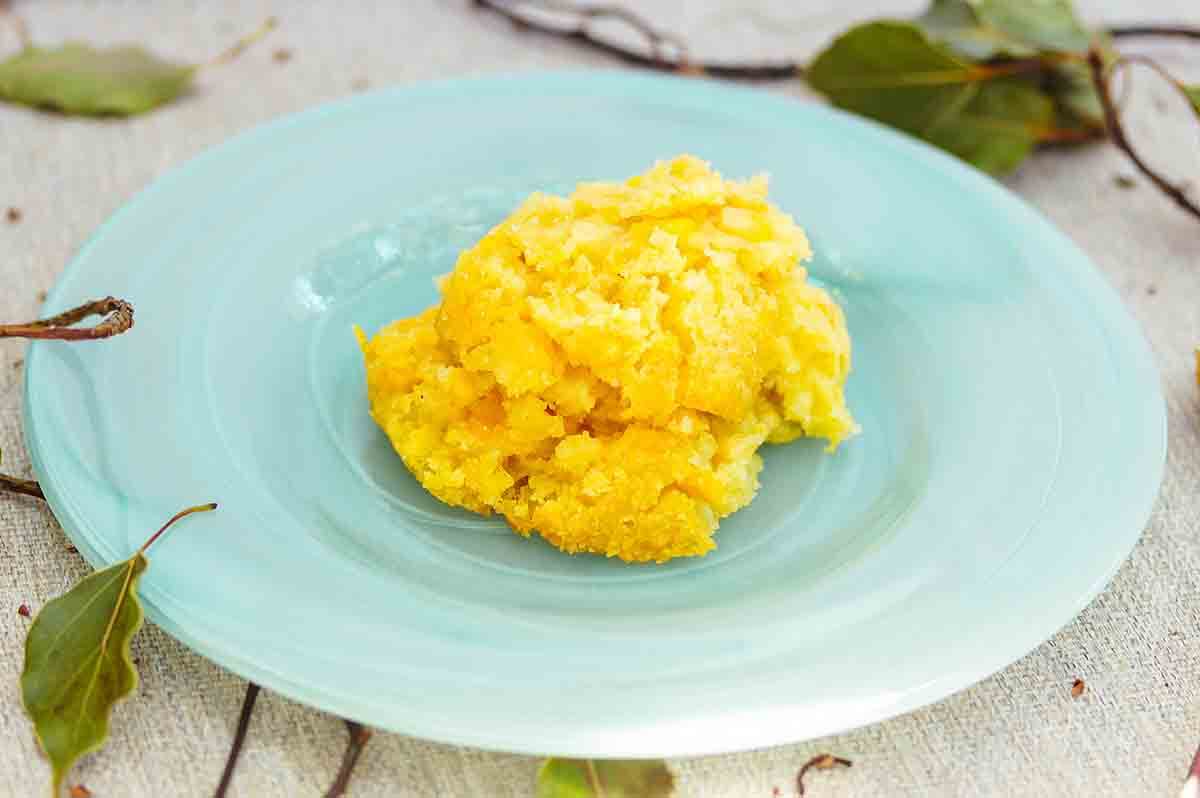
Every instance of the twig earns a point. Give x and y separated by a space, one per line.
359 735
118 318
1168 31
1112 120
819 762
239 738
243 43
118 313
594 778
658 41
25 487
1127 60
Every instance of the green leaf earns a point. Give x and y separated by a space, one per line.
79 79
605 778
983 29
1071 85
893 73
980 30
1043 24
955 24
999 127
77 663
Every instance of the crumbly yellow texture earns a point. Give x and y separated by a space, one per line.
603 367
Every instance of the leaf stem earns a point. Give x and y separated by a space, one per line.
1024 66
1069 134
199 508
359 736
118 318
26 487
1116 132
239 739
594 778
244 43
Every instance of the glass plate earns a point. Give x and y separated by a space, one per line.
1012 446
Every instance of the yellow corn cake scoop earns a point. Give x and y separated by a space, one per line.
603 367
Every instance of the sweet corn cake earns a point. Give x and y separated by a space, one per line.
603 367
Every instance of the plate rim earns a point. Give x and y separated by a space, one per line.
1115 319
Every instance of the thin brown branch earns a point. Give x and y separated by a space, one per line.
1147 31
359 736
656 56
659 41
118 318
239 739
26 487
819 762
667 52
1151 64
1128 60
1116 132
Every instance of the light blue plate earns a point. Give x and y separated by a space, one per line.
1013 431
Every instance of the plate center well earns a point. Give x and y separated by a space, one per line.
827 506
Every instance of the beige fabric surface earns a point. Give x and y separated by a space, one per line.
1017 733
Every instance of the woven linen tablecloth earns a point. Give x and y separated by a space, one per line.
1019 732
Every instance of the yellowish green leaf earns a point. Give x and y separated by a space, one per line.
998 128
1042 24
956 24
1070 83
893 73
80 79
983 29
1193 94
605 778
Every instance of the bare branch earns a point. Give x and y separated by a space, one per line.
118 313
665 52
26 487
1116 132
